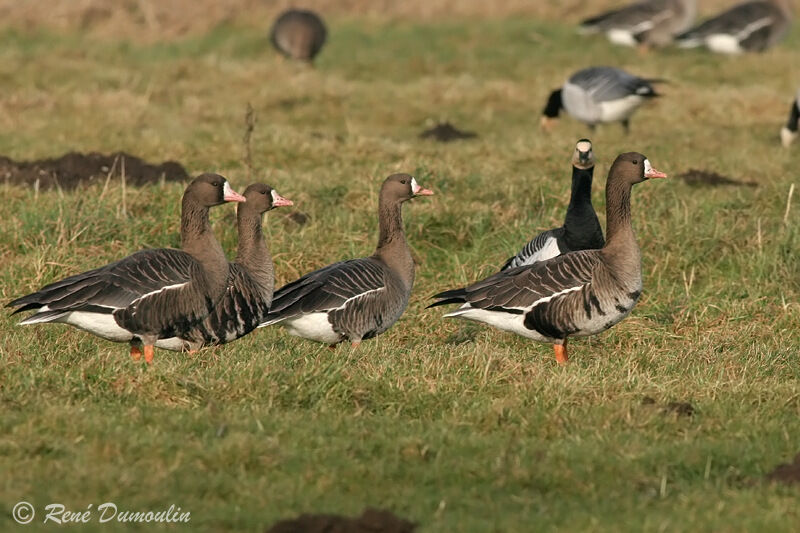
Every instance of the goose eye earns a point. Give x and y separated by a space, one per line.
215 184
635 161
403 182
263 192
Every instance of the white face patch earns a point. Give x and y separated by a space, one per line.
414 186
226 189
275 195
583 146
647 167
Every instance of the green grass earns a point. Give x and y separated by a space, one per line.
456 426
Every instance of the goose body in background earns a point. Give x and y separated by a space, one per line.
298 34
746 27
357 299
573 295
789 131
250 283
581 229
649 23
597 95
151 294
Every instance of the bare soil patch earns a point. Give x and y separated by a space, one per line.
371 521
446 132
74 169
787 473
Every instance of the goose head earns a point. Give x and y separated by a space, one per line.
212 189
262 198
583 157
402 187
632 168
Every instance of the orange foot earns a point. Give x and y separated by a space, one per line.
148 353
136 353
561 353
356 343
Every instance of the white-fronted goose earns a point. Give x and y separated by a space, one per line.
581 229
746 27
648 23
573 295
250 283
599 94
361 298
151 294
789 131
298 34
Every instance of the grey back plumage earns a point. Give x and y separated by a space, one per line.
648 22
605 84
298 34
755 25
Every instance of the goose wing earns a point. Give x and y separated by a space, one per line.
328 288
605 84
744 21
134 279
636 18
542 247
518 290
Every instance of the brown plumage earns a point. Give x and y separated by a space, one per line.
250 282
360 298
298 34
151 294
573 295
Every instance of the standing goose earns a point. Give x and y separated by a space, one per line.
298 34
151 294
599 94
647 23
250 283
746 27
789 131
581 229
361 298
573 295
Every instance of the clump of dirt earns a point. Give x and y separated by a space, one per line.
787 473
699 178
371 521
679 408
74 169
446 132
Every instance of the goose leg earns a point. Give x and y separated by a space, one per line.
561 353
136 352
355 344
148 353
626 125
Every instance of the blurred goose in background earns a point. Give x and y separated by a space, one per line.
151 294
581 229
250 283
298 34
361 298
648 23
789 131
746 27
573 295
599 94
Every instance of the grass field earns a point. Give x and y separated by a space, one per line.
458 427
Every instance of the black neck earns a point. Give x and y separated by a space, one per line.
794 117
554 105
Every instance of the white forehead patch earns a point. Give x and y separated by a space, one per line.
226 189
414 185
647 167
274 194
584 146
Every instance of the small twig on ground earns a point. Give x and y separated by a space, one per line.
124 203
108 176
249 126
788 205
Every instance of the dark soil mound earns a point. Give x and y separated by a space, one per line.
73 169
446 132
699 178
372 521
788 474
